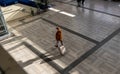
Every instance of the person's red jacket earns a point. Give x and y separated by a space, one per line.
59 35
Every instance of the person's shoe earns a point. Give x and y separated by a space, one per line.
78 6
56 45
61 53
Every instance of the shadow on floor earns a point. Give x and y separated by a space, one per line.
46 59
24 64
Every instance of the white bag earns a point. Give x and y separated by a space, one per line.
62 50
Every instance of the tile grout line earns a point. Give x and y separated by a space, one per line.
90 52
29 43
71 31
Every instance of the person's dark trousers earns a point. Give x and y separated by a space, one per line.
83 2
78 1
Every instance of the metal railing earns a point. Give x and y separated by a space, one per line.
3 27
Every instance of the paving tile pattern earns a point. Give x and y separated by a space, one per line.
92 24
98 5
89 23
105 60
43 34
27 59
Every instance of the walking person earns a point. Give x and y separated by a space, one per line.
78 1
58 37
82 1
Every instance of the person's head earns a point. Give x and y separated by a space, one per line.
58 28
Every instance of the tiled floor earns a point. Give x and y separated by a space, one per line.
19 48
104 61
103 6
91 37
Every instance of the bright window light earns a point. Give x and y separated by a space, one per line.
68 14
53 9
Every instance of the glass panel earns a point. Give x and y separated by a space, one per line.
3 28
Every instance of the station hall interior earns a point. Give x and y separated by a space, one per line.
90 34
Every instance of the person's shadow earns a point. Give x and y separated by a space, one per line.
49 59
51 55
